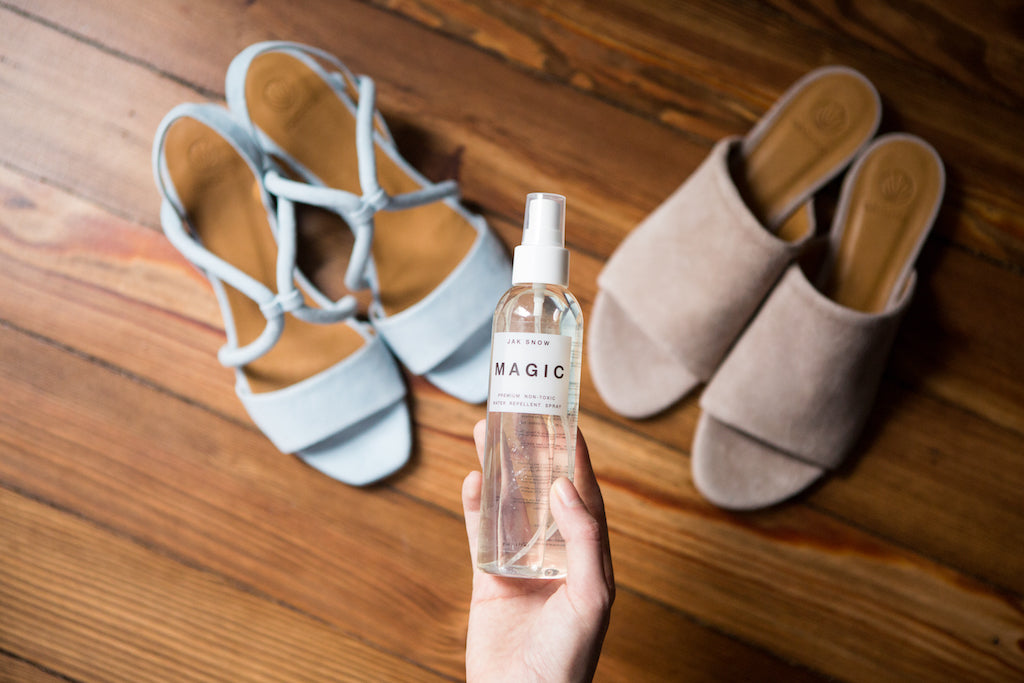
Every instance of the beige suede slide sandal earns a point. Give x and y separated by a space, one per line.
791 398
684 283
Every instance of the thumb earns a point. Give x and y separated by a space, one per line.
583 545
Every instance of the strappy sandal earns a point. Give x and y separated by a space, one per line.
434 268
790 400
681 287
314 380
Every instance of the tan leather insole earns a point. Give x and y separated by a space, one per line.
413 250
825 121
891 204
221 197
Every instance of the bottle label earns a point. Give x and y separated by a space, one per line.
529 373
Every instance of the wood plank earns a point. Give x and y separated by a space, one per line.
643 630
218 495
710 69
90 603
639 162
960 340
564 40
929 450
212 495
443 132
17 670
88 98
744 573
922 451
317 545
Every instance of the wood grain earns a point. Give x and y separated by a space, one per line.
110 607
711 69
378 565
151 533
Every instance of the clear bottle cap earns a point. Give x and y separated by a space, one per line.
542 257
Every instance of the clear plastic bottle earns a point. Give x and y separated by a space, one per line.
533 401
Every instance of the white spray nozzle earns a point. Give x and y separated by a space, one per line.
544 223
542 257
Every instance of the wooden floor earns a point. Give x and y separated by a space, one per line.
148 532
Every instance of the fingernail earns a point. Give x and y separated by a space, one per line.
567 492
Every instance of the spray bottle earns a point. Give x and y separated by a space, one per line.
533 401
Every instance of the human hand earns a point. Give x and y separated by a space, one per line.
543 630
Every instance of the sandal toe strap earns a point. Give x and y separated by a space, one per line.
303 414
709 259
804 375
425 334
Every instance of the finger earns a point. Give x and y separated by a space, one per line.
471 509
589 490
479 437
586 581
585 480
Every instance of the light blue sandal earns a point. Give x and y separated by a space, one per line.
317 382
435 269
